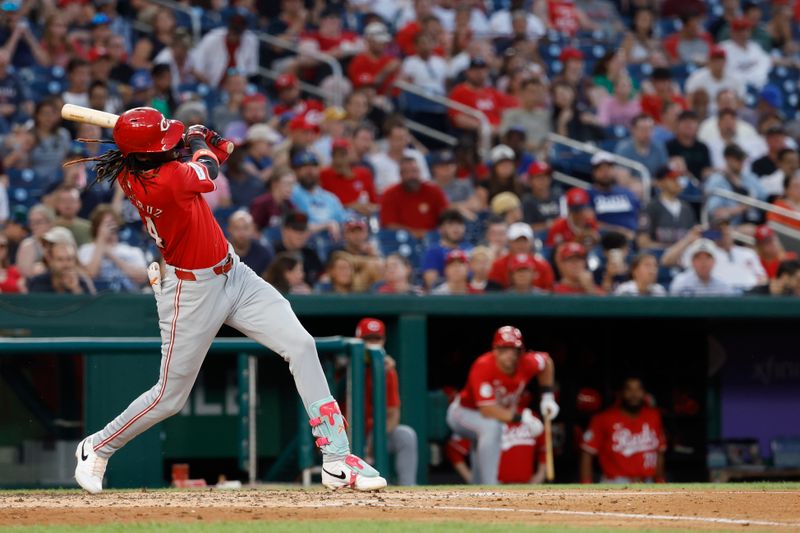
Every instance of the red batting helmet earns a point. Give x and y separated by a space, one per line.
507 337
146 130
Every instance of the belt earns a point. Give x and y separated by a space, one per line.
188 275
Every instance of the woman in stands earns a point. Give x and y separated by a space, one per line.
57 48
149 46
619 108
11 281
397 277
790 201
641 43
286 274
341 275
572 120
52 141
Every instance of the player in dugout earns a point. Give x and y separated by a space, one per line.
491 397
628 440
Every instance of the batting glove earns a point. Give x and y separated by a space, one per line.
548 406
195 131
534 424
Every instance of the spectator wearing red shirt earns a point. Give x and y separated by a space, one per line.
628 440
690 44
401 440
475 93
665 92
770 250
562 16
520 241
329 38
375 61
521 272
412 205
11 281
575 277
352 185
289 101
579 225
456 275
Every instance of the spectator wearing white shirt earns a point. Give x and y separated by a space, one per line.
500 22
386 163
476 20
211 56
699 279
746 59
644 273
730 130
425 69
181 62
713 78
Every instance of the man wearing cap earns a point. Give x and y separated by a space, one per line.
456 275
475 93
324 210
698 280
746 59
521 241
733 178
642 147
64 274
541 204
580 224
616 207
533 114
713 78
288 88
508 206
374 60
770 250
575 276
401 440
353 185
224 48
521 272
667 218
412 205
452 227
294 238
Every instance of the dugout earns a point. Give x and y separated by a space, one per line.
718 367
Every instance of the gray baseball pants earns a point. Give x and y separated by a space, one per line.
402 443
190 314
486 432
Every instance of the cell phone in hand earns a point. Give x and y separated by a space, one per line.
713 234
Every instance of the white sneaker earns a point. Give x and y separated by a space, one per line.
91 468
352 472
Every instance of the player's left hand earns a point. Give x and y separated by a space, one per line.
221 146
548 406
196 130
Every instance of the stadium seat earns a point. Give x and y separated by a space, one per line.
399 241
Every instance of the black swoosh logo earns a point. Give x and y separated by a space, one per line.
83 452
340 476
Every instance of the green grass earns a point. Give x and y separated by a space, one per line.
328 527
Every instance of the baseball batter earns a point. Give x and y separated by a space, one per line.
491 396
205 285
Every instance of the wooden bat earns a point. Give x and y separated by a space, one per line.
550 472
87 115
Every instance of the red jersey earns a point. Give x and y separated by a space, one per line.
175 214
11 282
543 276
416 210
392 394
562 231
627 446
564 17
301 107
673 41
406 36
654 106
488 385
771 265
366 63
349 190
329 43
488 100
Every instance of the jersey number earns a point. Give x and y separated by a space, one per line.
151 230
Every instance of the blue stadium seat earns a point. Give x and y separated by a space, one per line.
322 243
272 234
402 242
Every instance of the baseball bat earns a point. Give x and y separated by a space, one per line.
87 115
550 472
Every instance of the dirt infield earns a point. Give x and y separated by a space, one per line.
633 508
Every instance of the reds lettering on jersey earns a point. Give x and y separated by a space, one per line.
627 446
488 385
175 214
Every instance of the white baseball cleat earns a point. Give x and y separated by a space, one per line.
91 468
352 472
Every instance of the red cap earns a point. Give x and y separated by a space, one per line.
456 255
570 53
577 197
364 79
539 167
370 327
300 123
340 144
764 233
96 53
520 261
588 400
570 250
717 52
507 337
255 97
284 81
741 23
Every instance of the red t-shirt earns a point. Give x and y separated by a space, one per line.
301 107
175 214
415 210
626 446
771 266
329 43
563 16
543 275
561 288
392 394
349 190
653 106
671 43
561 231
366 63
11 283
488 385
488 100
406 36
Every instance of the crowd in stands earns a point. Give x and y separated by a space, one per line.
352 184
